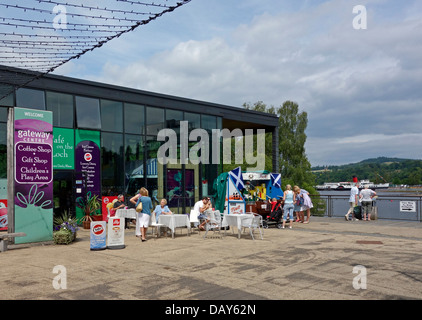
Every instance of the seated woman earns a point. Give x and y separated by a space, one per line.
162 208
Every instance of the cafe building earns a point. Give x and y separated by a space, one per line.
119 126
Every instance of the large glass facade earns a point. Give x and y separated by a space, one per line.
129 145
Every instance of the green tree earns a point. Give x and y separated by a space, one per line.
294 167
294 164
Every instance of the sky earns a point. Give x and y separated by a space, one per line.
361 88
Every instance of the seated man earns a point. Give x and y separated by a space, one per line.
202 206
119 204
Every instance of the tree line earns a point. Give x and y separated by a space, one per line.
395 171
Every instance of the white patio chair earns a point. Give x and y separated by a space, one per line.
214 223
155 225
193 218
253 222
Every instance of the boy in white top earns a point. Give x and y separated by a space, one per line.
353 201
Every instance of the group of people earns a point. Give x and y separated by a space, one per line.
365 196
143 217
296 200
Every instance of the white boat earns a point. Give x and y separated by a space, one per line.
348 185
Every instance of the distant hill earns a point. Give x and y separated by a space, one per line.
378 170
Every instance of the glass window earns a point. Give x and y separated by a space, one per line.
111 116
155 120
152 165
194 120
3 114
112 163
30 98
134 165
219 123
134 118
62 106
3 153
88 113
173 118
208 122
7 100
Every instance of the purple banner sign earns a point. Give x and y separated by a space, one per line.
33 139
87 160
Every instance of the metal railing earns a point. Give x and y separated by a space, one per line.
388 207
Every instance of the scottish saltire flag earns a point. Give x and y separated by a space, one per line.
236 175
276 180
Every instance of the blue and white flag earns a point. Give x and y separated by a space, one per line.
236 175
276 180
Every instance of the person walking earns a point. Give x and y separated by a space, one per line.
353 201
289 198
143 218
366 196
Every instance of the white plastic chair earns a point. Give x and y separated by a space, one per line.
155 225
253 222
193 218
214 223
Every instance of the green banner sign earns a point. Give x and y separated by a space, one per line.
63 148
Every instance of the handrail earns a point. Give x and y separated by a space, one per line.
329 200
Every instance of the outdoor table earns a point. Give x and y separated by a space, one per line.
235 220
173 221
126 213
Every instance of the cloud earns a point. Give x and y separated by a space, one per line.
352 83
357 147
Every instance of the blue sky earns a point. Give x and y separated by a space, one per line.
360 88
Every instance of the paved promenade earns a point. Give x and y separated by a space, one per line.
310 261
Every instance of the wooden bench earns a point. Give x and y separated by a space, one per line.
5 236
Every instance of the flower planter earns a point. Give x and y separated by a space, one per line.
97 218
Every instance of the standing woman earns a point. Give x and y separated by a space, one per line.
307 203
145 215
366 196
289 198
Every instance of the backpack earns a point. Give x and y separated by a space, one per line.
358 212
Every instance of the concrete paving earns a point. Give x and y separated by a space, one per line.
311 261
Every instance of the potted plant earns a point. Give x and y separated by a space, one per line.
65 229
89 205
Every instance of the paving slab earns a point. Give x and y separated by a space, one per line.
327 259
